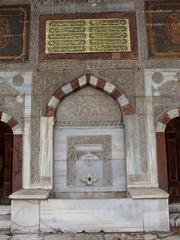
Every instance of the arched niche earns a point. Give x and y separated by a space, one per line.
89 146
162 123
48 121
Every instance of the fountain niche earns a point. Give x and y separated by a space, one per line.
89 149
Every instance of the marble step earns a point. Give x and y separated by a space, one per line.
5 209
5 224
174 208
5 218
174 220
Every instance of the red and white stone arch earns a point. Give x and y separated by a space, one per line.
162 122
90 80
17 149
165 117
12 123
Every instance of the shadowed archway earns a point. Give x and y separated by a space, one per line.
11 154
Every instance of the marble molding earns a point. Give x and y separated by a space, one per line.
30 194
93 215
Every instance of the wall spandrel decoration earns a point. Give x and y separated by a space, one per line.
86 36
163 26
14 31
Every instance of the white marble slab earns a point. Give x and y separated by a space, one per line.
5 209
109 215
90 215
155 215
25 216
30 194
5 222
147 193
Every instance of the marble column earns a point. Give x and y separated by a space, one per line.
46 152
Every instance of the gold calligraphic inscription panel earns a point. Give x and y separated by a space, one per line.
87 35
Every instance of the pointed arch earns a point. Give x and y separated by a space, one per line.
95 82
165 117
17 149
13 124
162 122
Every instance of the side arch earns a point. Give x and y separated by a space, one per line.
95 82
17 149
165 117
162 122
13 124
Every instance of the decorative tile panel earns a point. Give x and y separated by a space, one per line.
14 34
163 21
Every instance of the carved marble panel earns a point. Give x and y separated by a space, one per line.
89 157
11 100
165 82
88 107
89 160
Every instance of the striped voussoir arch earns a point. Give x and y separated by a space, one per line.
90 80
13 124
165 117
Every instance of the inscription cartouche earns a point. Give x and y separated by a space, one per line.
87 35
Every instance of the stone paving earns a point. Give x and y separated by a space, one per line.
174 235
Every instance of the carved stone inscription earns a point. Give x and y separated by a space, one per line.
87 35
89 160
